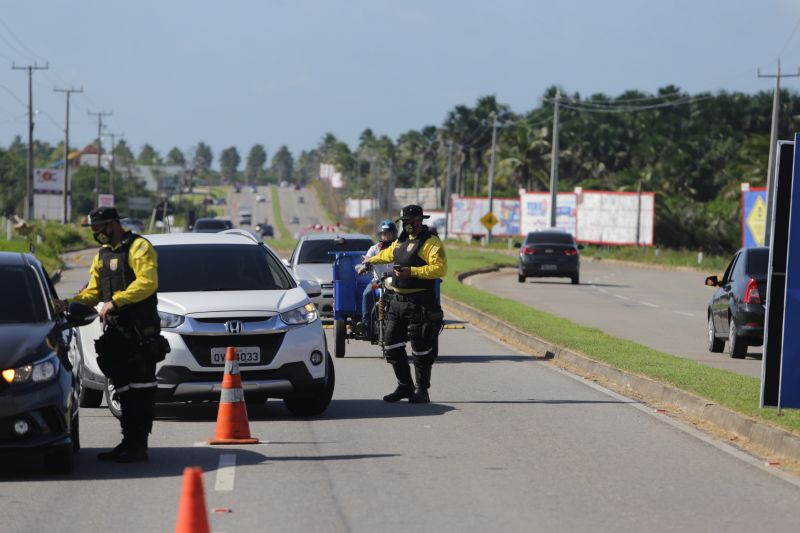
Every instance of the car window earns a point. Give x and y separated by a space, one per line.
212 225
318 251
22 300
547 237
729 270
758 263
738 269
218 267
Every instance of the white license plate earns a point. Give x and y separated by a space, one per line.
549 267
247 354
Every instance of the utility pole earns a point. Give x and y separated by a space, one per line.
29 197
554 162
447 189
419 169
99 115
773 139
491 173
67 189
113 164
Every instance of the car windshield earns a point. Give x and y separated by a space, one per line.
22 300
317 251
547 237
212 225
757 261
219 267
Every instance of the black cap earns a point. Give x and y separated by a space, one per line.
101 215
411 211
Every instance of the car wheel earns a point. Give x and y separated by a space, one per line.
256 398
715 344
576 279
737 347
339 337
112 399
520 278
76 433
89 397
60 460
314 405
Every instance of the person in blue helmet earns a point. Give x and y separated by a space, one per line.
387 233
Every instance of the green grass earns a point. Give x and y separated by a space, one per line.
56 239
739 393
284 239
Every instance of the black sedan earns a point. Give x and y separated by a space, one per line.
549 253
38 389
736 310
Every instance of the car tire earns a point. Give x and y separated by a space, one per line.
256 398
76 433
520 278
314 405
60 460
715 344
111 399
737 346
339 337
576 279
91 398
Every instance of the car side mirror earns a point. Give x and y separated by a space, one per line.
712 281
286 263
80 315
580 247
312 288
517 245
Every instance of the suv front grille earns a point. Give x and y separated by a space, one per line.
223 319
200 346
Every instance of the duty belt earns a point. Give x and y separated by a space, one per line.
413 296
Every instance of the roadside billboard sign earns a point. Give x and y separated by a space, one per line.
754 216
611 217
105 200
535 212
466 213
48 180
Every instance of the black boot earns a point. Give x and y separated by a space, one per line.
116 452
140 424
125 422
405 387
423 374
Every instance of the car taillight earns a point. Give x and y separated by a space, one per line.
528 251
751 294
571 251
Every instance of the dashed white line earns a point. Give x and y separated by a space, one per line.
226 472
683 313
648 304
621 297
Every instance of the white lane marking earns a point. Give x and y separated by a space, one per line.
602 290
683 313
648 304
226 472
621 297
200 444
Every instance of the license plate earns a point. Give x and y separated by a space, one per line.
549 267
247 354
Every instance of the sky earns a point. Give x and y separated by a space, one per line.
276 72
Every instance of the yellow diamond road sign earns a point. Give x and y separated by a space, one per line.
489 220
757 220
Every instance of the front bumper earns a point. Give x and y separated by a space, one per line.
324 301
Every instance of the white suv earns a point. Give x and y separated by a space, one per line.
228 289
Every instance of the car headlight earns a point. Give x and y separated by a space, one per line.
301 315
169 320
38 372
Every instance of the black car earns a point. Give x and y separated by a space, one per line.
211 225
737 308
38 351
549 253
265 230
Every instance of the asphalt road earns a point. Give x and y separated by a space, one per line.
663 309
509 444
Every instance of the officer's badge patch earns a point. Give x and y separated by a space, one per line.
410 246
113 264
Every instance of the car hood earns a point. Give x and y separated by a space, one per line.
319 272
240 303
23 343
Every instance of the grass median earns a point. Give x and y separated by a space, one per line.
285 241
739 393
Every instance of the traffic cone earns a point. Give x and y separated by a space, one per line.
232 424
192 516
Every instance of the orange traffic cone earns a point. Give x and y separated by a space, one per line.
232 424
192 516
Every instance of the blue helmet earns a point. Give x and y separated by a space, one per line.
387 225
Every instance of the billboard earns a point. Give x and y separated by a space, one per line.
535 212
48 180
465 214
754 215
611 217
49 206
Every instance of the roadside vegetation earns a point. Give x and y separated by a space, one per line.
739 393
56 238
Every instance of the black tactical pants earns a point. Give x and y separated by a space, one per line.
416 318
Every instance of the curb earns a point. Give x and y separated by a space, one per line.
774 439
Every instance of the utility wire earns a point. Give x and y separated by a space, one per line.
789 40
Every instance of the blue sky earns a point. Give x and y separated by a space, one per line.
286 71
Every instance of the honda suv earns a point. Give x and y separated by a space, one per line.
228 289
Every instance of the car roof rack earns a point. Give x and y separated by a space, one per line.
242 232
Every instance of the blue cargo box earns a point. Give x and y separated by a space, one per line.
348 286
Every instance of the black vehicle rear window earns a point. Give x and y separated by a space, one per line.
314 251
548 237
219 267
757 262
22 301
213 225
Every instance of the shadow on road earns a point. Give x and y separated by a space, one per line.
548 402
486 358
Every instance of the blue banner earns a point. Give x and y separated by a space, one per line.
754 217
789 388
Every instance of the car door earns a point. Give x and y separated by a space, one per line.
723 295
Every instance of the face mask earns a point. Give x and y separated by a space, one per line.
102 237
409 228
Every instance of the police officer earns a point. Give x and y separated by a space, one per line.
414 313
124 277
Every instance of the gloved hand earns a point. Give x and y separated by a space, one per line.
361 268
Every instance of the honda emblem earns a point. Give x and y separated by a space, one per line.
233 326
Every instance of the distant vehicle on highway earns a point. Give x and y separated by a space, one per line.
211 225
253 189
40 363
264 229
312 260
300 200
260 197
284 184
220 201
549 253
132 224
237 188
736 309
297 186
294 220
240 295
